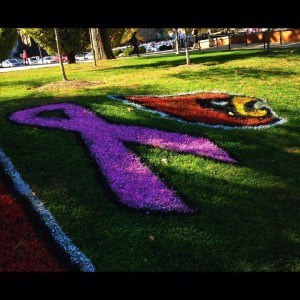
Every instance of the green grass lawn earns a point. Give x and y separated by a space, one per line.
248 216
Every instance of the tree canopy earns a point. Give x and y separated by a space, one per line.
8 38
72 40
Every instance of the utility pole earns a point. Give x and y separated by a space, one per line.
92 46
59 54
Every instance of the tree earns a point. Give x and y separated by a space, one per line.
8 38
229 38
92 47
268 39
177 41
59 53
101 42
187 54
72 40
116 36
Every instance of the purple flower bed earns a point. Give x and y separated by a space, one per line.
135 185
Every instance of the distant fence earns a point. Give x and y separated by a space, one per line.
251 38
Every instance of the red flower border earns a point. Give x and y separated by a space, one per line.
22 250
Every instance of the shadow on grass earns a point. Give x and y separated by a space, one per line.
168 61
238 71
32 83
240 225
262 212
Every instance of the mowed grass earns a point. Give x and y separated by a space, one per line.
248 213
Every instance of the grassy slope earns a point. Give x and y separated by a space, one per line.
248 216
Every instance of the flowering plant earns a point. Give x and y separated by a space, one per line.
134 184
213 108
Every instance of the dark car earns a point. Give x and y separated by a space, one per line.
204 36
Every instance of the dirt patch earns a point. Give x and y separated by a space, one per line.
70 84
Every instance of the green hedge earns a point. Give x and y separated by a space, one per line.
142 49
117 52
128 51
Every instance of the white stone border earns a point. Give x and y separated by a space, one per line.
167 116
77 257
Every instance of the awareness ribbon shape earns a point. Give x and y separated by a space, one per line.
134 184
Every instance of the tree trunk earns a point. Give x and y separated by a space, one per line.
268 40
177 41
92 46
71 57
229 39
187 48
229 42
101 43
63 73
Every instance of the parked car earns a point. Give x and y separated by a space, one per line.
11 63
204 36
79 57
64 58
89 55
19 60
46 60
33 60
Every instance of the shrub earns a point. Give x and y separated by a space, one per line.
128 51
142 49
117 52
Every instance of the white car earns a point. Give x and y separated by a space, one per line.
89 55
79 57
33 60
46 60
12 62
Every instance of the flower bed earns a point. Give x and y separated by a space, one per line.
134 184
217 109
77 258
21 249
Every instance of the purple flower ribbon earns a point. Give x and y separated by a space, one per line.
135 185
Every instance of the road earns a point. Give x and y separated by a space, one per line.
3 70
